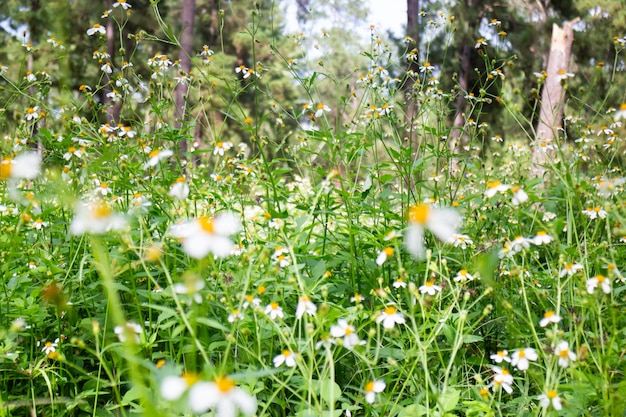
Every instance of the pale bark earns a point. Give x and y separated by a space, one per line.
552 97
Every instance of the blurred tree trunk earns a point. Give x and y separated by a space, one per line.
413 32
186 49
552 97
458 137
113 109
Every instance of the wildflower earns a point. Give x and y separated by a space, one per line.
357 298
549 317
550 398
123 4
50 347
502 378
399 283
426 67
191 288
96 218
32 113
372 388
541 238
223 395
179 190
206 235
430 288
521 357
305 305
346 331
321 108
23 166
442 222
390 317
570 269
563 75
251 300
221 147
39 224
463 276
128 331
287 357
274 311
495 187
480 42
279 256
519 244
594 212
499 356
519 196
564 354
601 280
156 156
96 28
462 241
383 255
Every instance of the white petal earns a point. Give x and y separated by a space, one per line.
443 222
173 387
221 246
413 241
246 403
198 245
226 224
202 396
26 165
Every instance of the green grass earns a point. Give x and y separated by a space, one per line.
102 311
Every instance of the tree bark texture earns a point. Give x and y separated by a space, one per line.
552 96
186 49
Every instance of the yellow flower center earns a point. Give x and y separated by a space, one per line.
419 213
369 387
206 223
600 278
548 314
349 330
261 289
390 310
551 394
5 168
286 352
190 378
522 354
101 211
493 184
274 305
154 153
388 251
564 353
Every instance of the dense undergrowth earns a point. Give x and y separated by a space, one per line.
347 262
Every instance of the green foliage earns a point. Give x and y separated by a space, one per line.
304 258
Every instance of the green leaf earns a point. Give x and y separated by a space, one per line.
450 399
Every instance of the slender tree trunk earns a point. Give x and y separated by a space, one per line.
113 109
457 136
412 31
186 49
552 97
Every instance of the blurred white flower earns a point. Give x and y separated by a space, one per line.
206 235
442 222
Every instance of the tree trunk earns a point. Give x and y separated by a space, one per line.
412 31
113 108
186 49
457 136
552 97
